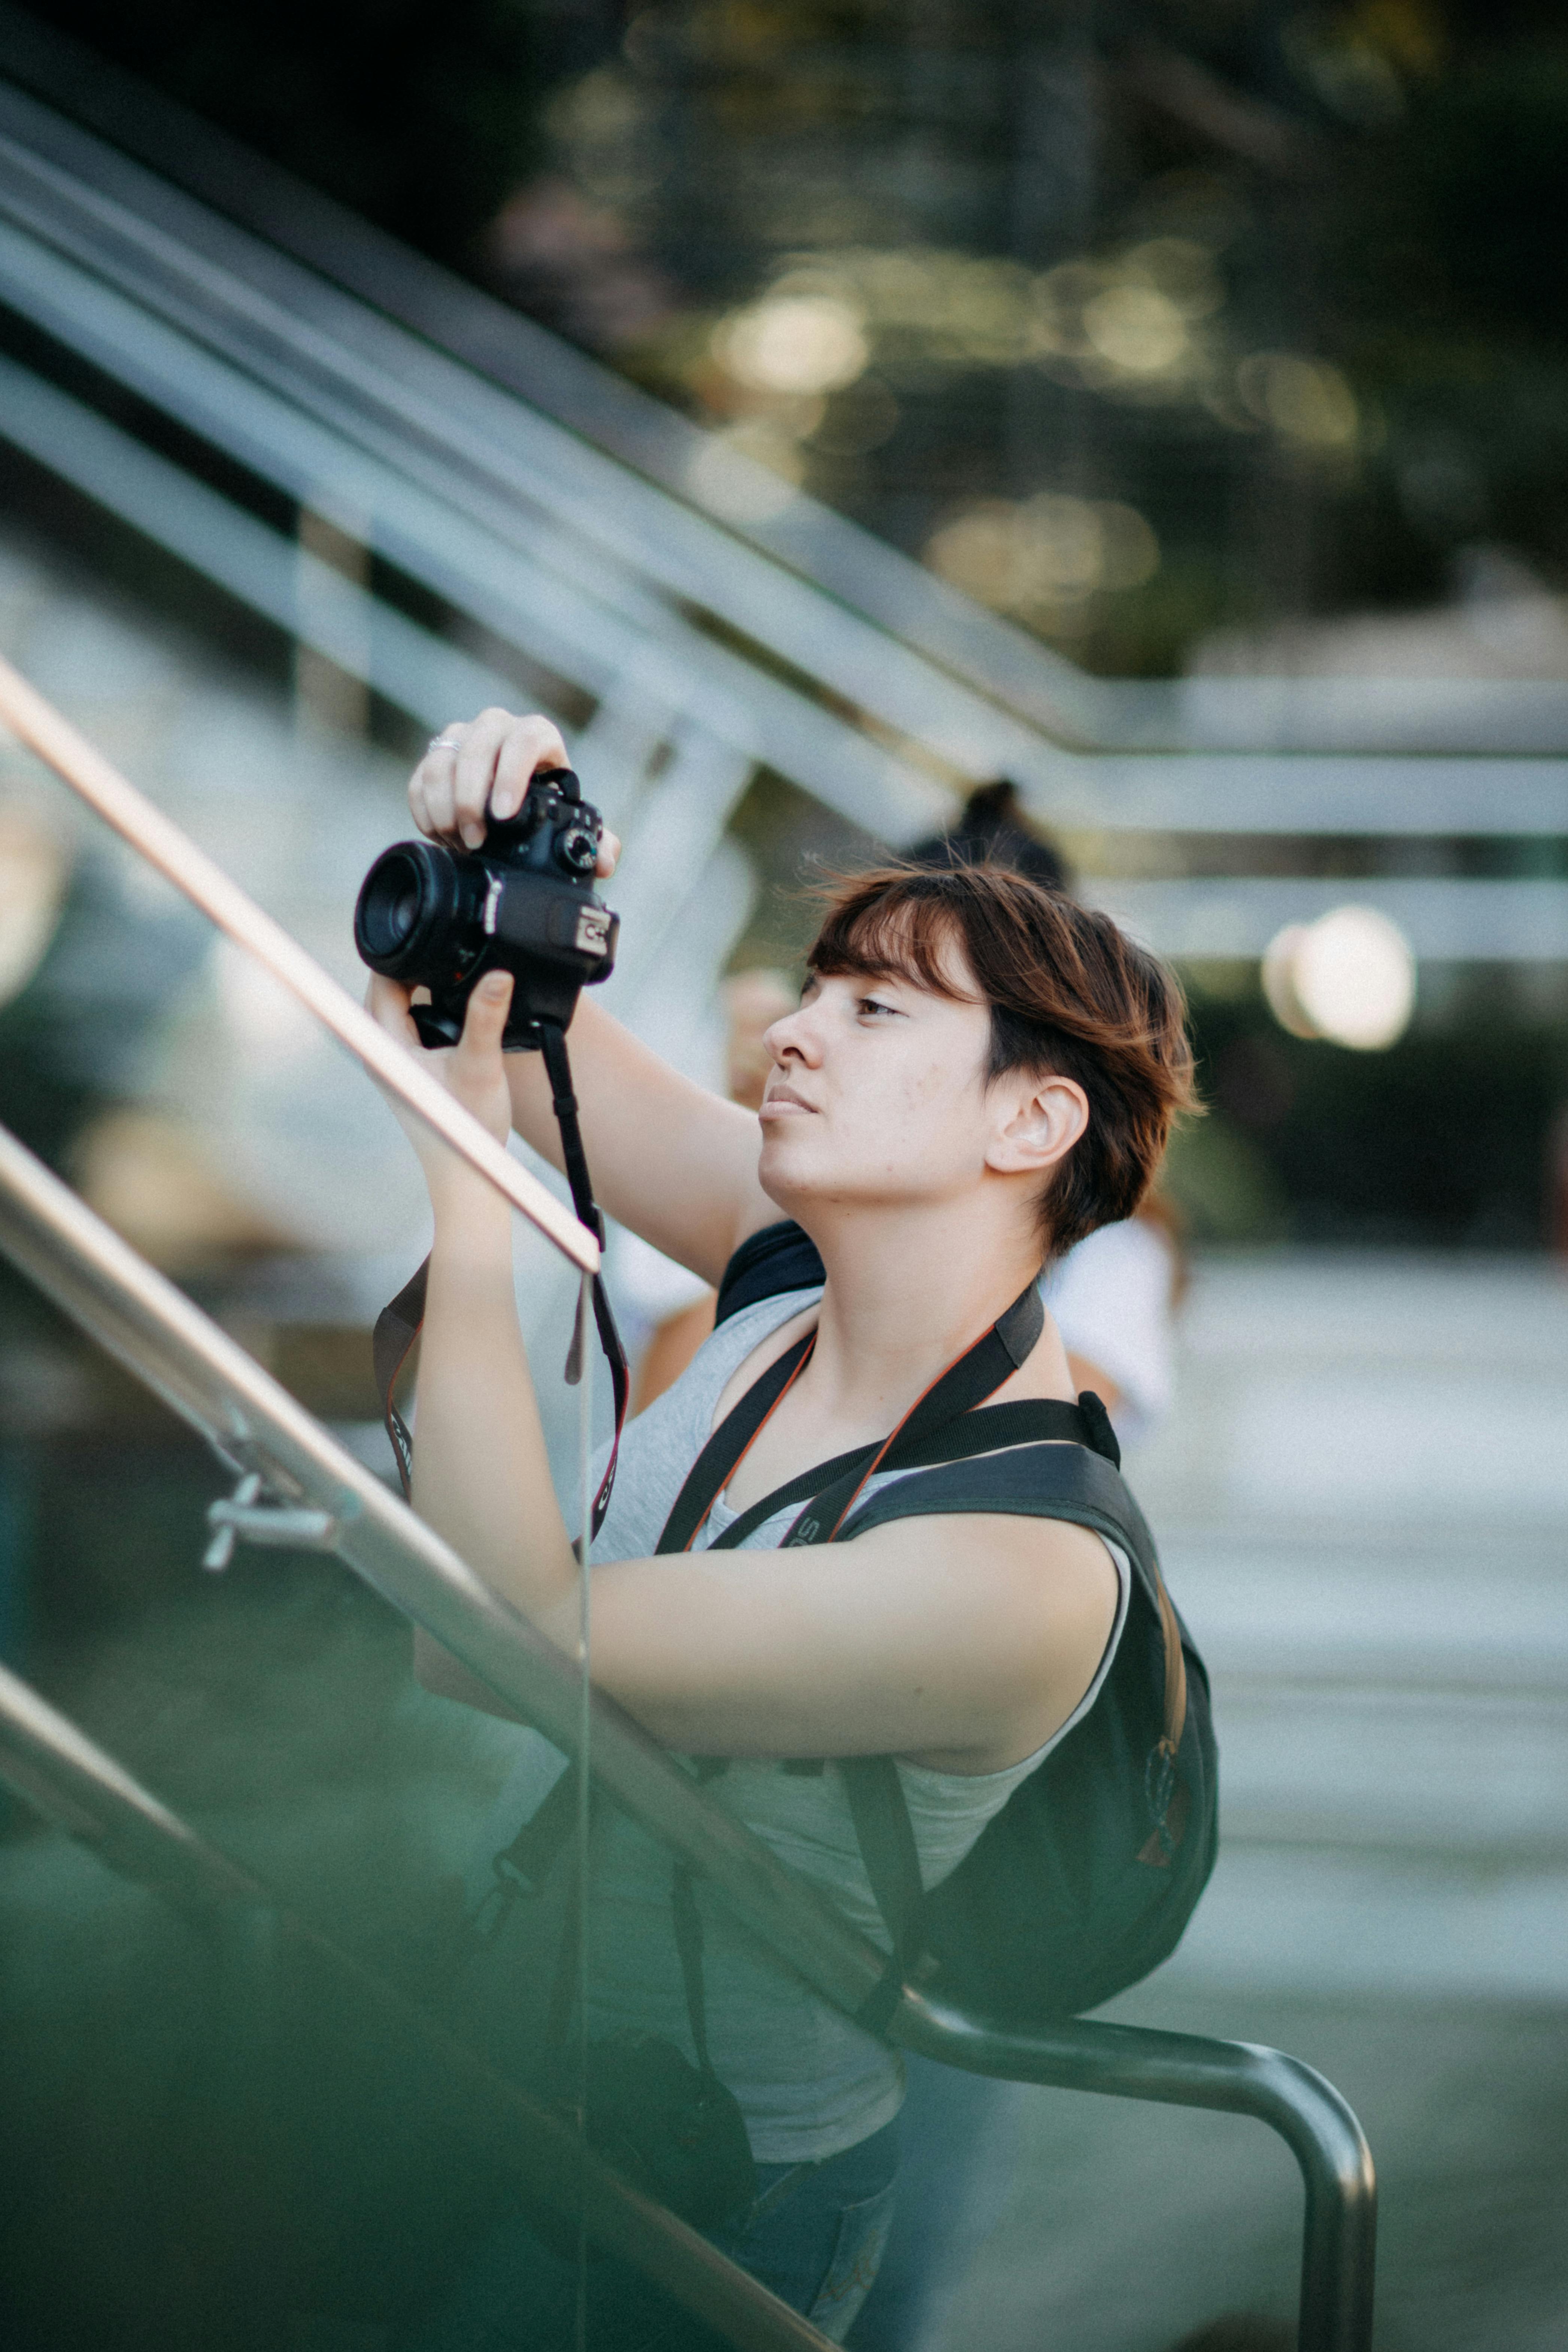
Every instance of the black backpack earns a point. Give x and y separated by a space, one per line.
1086 1879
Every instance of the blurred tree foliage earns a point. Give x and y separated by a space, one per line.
1449 278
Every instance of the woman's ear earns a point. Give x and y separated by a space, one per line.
1038 1120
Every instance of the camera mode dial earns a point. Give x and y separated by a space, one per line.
576 849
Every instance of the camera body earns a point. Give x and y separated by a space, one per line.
524 902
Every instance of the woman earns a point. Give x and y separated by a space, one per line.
978 1074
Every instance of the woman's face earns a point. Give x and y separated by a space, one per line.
878 1095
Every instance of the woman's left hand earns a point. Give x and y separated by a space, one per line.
473 1071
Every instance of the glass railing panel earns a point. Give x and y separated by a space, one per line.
49 1234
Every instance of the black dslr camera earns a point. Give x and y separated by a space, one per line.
524 903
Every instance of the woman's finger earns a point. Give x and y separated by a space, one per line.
421 805
430 786
609 855
475 1072
528 745
387 1000
485 1017
475 773
484 766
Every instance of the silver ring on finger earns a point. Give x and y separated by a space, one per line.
444 743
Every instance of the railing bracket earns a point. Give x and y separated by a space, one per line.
282 1527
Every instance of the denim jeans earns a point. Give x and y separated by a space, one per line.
961 2147
814 2236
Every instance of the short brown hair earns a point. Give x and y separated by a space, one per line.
1070 995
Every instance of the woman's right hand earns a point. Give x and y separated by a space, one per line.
485 765
473 1073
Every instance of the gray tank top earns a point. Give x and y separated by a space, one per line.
810 2082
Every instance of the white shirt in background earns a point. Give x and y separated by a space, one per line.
1111 1300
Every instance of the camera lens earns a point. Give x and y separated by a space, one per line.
400 914
407 898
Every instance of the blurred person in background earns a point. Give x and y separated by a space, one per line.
657 1290
1113 1298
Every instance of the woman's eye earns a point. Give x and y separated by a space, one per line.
875 1004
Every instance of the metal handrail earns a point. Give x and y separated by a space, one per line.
808 622
176 857
487 546
257 1426
48 1760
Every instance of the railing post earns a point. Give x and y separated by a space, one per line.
1339 2241
1134 2061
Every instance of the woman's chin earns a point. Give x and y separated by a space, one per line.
784 1174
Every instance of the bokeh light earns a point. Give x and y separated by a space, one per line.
1349 978
1307 402
1043 552
1136 328
794 344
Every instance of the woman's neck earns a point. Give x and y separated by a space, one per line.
906 1293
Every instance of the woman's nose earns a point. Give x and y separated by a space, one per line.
791 1038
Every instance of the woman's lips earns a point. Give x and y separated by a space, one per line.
782 1101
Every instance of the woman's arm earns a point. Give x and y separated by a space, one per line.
481 1471
963 1643
672 1161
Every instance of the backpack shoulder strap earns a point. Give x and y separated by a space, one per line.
780 1257
1049 1482
1032 1481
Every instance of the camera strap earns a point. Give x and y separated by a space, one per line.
398 1324
927 1433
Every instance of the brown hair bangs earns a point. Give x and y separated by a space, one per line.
1070 996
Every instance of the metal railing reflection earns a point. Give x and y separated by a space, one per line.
48 1761
258 1428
